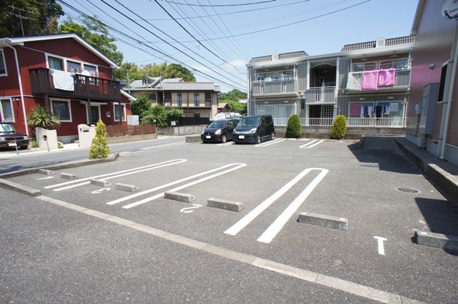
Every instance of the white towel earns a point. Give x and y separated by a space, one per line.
355 80
62 80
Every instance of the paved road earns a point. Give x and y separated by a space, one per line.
101 244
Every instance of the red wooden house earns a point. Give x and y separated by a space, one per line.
66 75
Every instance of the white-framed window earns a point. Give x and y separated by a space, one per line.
364 66
62 110
116 112
70 65
3 71
395 64
6 110
196 99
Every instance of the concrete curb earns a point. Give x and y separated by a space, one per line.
100 183
193 139
182 197
323 220
224 204
441 178
126 187
19 188
68 176
438 240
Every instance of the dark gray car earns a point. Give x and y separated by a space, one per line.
9 137
254 129
219 131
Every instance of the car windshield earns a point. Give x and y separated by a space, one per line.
217 124
7 128
249 122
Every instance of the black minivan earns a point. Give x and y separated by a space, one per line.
219 130
254 129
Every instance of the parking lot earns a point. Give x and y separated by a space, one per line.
379 193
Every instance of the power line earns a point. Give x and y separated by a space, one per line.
220 5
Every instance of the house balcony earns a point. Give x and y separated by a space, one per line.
73 86
274 87
320 96
394 79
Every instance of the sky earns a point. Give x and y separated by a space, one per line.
216 39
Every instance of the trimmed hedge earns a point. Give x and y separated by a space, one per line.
294 127
339 128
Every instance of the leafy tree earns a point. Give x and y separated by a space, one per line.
95 33
36 17
161 116
153 70
294 127
234 95
141 105
99 147
232 99
339 128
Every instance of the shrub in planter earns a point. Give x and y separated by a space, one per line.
294 127
99 147
42 118
339 127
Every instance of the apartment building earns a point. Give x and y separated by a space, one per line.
367 82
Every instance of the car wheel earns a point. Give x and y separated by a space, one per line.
272 135
223 138
258 139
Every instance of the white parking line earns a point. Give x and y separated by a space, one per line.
269 143
247 219
85 181
381 248
238 166
276 226
311 144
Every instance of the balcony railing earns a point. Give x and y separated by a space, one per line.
272 87
401 80
80 87
320 95
385 122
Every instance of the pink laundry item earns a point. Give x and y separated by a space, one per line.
386 78
370 81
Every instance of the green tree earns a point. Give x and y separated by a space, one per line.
94 32
99 147
235 95
339 128
178 71
161 116
141 105
29 17
232 98
294 127
131 72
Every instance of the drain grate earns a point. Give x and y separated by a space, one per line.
408 190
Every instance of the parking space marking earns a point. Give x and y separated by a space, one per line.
122 199
271 142
161 146
86 181
276 226
311 144
381 248
146 200
242 223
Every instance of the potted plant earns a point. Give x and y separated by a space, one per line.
45 124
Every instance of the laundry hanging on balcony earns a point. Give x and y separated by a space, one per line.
370 81
354 81
62 80
386 78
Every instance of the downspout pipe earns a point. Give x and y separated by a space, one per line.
449 98
18 70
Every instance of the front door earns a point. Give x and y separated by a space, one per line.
94 115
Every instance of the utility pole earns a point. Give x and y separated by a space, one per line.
20 16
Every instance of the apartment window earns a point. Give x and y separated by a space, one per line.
6 110
179 100
394 64
2 64
55 63
196 100
61 109
117 112
91 69
364 66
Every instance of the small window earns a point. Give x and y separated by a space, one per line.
180 100
6 110
61 109
55 63
196 100
2 64
442 83
123 112
74 67
91 69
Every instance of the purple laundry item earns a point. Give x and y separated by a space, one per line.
386 78
370 81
